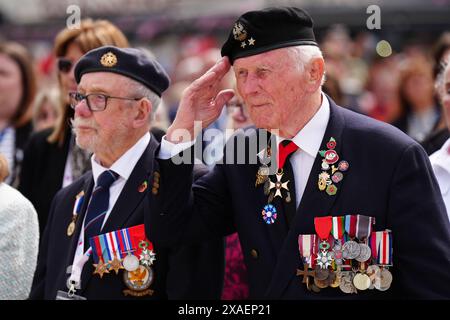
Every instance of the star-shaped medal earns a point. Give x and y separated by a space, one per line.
324 259
147 257
101 268
278 185
115 264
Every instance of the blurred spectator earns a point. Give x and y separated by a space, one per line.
345 64
332 88
46 109
419 110
440 134
52 160
17 91
380 100
19 239
440 160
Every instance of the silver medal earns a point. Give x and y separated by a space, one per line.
351 250
364 254
130 263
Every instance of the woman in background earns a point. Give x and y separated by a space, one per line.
17 91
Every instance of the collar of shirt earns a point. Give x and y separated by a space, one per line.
309 138
441 158
126 163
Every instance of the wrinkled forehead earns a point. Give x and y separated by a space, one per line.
104 82
273 59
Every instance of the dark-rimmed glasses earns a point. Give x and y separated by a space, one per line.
95 101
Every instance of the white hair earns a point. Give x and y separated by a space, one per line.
139 90
304 55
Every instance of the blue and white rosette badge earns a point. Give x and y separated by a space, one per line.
269 213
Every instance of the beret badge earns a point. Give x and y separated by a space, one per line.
239 32
108 59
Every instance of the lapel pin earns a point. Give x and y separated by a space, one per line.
143 187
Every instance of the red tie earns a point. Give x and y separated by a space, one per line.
285 148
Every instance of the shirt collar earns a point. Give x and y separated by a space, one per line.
310 136
125 164
441 158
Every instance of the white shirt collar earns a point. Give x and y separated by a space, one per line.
441 158
310 136
126 163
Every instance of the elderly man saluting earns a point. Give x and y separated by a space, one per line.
95 245
351 210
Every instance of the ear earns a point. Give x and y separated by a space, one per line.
315 73
143 113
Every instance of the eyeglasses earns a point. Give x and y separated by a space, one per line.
64 65
95 101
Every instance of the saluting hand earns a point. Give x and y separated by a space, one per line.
201 101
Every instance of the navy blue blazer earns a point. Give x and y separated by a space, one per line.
389 178
189 272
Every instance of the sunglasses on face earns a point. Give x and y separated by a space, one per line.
64 65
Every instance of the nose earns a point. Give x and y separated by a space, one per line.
82 109
249 85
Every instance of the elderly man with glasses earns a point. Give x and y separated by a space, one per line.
95 245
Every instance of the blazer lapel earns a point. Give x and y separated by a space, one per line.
87 188
128 201
314 203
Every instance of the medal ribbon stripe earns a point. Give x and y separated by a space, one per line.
126 239
363 226
78 203
305 246
323 227
338 227
98 249
385 250
350 225
104 250
119 240
111 245
315 247
374 245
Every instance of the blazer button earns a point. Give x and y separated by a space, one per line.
254 254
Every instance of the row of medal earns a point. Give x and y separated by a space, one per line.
126 249
346 254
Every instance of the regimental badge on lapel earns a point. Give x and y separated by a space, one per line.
331 174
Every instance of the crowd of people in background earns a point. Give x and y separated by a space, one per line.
405 89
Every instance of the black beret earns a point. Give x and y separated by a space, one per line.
259 31
132 63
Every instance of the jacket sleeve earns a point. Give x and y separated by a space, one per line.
188 213
39 279
420 229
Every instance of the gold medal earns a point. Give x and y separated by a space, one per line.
71 228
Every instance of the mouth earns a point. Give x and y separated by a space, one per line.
260 105
83 128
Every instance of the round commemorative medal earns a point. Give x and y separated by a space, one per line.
130 263
364 254
139 279
361 281
351 250
385 280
